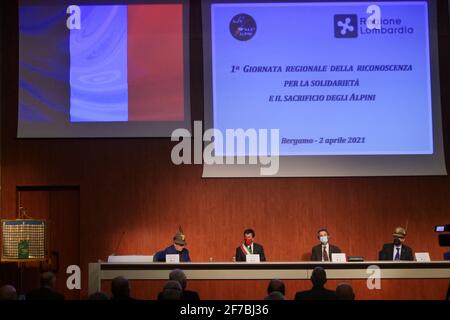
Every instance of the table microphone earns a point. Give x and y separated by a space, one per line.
118 244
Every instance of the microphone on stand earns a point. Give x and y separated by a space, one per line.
118 244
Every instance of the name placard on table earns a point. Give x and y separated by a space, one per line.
252 258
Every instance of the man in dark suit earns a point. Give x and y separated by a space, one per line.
324 250
318 291
47 290
396 251
187 295
178 247
249 247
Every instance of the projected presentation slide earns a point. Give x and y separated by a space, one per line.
336 78
102 69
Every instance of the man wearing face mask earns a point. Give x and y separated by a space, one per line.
397 251
324 250
249 247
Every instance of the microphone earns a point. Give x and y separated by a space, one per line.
118 244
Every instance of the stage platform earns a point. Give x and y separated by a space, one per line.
267 270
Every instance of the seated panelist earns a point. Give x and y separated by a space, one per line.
178 247
396 250
324 250
249 247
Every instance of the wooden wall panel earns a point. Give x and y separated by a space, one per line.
257 290
131 186
65 234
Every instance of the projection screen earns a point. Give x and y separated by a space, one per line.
351 86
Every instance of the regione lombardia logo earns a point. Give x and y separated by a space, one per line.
345 26
243 27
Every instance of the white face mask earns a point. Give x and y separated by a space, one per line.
324 239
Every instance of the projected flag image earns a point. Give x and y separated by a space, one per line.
112 64
101 63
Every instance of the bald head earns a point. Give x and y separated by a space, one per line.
120 287
344 291
319 277
8 293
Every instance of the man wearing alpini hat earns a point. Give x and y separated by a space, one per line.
396 250
178 247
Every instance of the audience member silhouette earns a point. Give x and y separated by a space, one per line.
275 285
47 291
172 291
120 289
318 291
8 292
180 276
344 291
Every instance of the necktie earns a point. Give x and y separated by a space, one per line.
397 255
325 254
250 249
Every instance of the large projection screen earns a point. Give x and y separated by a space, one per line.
352 86
103 68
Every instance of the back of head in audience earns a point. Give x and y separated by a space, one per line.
48 280
319 277
120 288
8 292
47 290
276 285
172 291
98 296
344 291
275 295
180 276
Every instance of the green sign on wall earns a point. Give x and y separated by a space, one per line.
24 252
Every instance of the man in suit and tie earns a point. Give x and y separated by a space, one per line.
249 247
396 251
324 250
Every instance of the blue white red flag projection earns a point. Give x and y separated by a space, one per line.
102 69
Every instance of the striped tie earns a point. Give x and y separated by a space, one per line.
325 254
